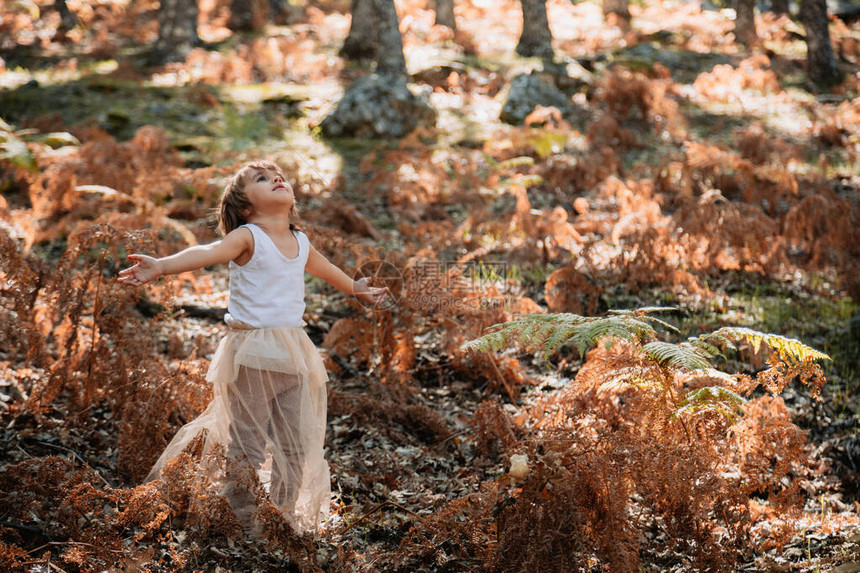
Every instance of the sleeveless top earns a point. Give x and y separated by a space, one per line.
269 290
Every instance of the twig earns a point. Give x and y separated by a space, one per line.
452 436
67 543
72 451
348 370
502 379
95 337
667 381
39 562
25 528
374 510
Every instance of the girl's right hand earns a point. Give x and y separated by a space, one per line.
146 269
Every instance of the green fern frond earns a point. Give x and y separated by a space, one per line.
548 332
490 341
718 338
644 311
14 149
528 180
712 399
683 356
705 347
559 333
530 331
513 162
623 327
788 349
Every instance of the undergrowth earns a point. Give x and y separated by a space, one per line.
661 452
649 450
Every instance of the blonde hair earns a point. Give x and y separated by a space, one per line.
234 207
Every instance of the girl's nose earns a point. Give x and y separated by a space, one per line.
279 179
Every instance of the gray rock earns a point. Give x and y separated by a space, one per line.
851 567
845 10
528 91
684 64
438 75
378 107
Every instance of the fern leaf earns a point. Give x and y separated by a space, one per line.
788 349
15 150
712 399
529 180
548 332
705 347
531 331
624 327
490 341
652 309
683 355
719 338
513 162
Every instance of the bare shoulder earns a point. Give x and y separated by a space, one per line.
240 244
240 234
299 233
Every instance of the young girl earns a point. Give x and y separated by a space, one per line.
269 403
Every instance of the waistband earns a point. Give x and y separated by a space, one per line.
236 324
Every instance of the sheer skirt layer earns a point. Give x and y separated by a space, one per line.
268 411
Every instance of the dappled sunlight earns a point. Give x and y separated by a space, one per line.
669 253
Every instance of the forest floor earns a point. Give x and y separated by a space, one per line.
665 114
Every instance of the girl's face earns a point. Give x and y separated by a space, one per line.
268 192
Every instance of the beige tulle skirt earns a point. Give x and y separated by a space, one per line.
269 412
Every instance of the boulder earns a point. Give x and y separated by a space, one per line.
377 107
528 91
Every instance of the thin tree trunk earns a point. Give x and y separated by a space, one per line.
248 15
390 60
536 39
820 62
67 19
177 29
280 11
618 7
779 6
361 41
745 32
445 14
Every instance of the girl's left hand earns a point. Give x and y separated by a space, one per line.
370 294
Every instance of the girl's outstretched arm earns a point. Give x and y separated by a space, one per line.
149 268
322 268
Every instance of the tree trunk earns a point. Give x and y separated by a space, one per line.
380 105
248 15
617 7
779 6
177 29
390 60
745 32
67 19
820 61
280 11
445 14
361 41
536 39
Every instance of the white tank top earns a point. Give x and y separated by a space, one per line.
269 290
